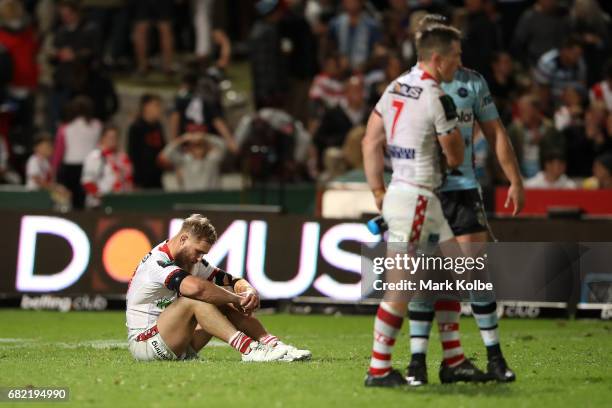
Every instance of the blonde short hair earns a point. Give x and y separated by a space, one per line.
200 227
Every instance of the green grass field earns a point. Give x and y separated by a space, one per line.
558 363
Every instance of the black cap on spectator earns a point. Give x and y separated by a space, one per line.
572 40
553 155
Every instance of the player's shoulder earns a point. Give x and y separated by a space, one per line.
469 76
160 255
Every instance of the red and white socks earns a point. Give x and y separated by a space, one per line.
269 340
447 315
387 325
240 342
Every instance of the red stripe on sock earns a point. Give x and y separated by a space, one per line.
381 356
379 371
390 319
447 345
381 338
454 360
448 305
448 327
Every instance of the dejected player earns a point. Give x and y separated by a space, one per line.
463 208
176 302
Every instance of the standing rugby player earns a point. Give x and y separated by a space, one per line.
463 208
414 118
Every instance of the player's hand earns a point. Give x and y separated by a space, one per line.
250 302
516 195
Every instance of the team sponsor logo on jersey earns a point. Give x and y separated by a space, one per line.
462 92
163 302
465 116
487 100
164 264
408 91
396 152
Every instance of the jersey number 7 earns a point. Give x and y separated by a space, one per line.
397 105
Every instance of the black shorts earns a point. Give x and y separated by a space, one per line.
464 211
152 10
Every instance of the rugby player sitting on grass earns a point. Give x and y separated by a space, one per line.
177 301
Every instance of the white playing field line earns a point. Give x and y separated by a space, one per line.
97 344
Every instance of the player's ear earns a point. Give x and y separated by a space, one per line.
184 238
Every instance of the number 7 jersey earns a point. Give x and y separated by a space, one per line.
414 115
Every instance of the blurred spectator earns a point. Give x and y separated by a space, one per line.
39 174
327 89
145 141
353 34
268 64
592 24
602 173
212 45
6 74
481 38
7 176
569 112
541 28
196 159
396 25
338 121
510 12
376 83
300 49
159 13
559 68
198 108
75 139
532 136
553 176
586 140
351 150
601 92
106 169
333 165
76 51
503 84
112 17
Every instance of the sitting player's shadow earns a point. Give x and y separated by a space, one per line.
468 389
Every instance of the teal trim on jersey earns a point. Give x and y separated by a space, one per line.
471 95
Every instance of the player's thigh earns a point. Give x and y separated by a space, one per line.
177 323
464 210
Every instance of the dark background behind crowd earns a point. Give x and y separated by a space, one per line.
315 69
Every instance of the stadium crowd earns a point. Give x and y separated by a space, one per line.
317 68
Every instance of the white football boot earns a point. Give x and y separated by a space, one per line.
293 353
260 353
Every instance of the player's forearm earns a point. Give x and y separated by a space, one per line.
209 292
507 158
373 155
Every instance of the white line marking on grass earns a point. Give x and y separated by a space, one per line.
97 344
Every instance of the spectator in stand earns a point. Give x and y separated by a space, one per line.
74 141
553 176
354 34
481 38
540 28
602 173
592 24
268 62
378 81
396 24
559 68
301 54
145 141
338 121
196 159
106 169
7 176
18 37
601 92
198 108
586 140
212 45
326 91
503 84
6 75
76 51
160 14
570 111
39 174
532 136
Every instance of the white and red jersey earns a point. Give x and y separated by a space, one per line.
106 171
602 92
148 292
414 117
38 167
